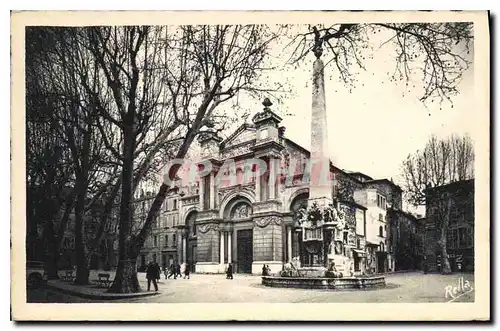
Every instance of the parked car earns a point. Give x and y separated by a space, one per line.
35 274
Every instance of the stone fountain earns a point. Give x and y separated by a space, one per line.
321 225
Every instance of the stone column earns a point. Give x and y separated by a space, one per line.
289 243
184 249
229 247
257 184
221 247
179 247
272 178
201 192
212 191
319 135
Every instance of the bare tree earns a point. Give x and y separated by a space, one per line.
439 163
166 84
68 85
50 181
437 52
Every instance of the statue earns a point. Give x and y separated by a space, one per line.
338 248
243 211
301 215
332 271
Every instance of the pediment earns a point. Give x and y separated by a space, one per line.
245 133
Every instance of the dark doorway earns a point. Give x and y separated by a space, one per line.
381 262
191 257
164 260
244 240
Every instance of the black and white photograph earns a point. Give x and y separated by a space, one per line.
295 158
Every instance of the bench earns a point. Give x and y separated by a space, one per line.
104 280
68 276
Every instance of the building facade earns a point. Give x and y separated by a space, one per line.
453 202
405 242
248 218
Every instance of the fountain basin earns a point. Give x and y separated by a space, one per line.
324 283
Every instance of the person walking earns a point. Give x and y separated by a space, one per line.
178 271
229 272
186 271
172 271
157 271
152 275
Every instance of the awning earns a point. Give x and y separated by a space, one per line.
359 252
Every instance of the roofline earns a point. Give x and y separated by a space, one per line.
399 211
235 132
360 173
331 163
384 180
353 203
457 183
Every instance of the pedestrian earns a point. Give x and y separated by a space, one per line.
264 270
229 272
172 271
178 271
186 271
157 271
268 269
165 271
152 276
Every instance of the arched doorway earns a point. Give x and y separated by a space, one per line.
238 238
191 242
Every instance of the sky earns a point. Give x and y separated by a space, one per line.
372 128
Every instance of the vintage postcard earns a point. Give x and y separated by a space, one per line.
250 166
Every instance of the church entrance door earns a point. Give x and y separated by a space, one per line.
245 250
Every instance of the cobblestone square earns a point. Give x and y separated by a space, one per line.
401 288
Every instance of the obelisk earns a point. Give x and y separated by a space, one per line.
320 189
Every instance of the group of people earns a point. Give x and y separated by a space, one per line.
175 270
153 273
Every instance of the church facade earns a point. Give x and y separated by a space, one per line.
249 217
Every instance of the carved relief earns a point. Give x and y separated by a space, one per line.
225 192
270 220
240 150
204 228
241 210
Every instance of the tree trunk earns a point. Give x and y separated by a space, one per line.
126 280
82 270
153 211
126 273
51 254
445 261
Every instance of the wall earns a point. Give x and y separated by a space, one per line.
208 246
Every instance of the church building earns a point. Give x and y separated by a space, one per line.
250 220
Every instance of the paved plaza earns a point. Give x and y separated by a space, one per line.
401 287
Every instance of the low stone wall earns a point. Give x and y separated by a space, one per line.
324 283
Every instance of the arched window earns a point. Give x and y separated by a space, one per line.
381 231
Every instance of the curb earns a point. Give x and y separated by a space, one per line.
104 296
